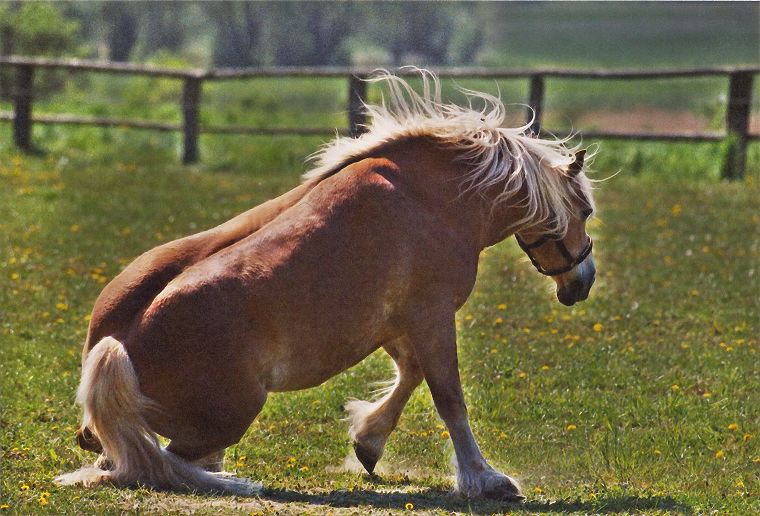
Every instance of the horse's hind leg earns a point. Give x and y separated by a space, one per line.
204 438
372 422
213 462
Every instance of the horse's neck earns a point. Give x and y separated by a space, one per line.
433 176
504 214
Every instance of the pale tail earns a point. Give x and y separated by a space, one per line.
113 406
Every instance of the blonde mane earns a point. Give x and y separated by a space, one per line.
491 153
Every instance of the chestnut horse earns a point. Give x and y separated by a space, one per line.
377 248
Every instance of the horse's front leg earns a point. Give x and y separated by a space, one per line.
372 422
434 340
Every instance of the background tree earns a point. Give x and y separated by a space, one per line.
35 29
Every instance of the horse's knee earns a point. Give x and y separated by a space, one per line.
87 440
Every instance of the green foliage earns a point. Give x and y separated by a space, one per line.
37 29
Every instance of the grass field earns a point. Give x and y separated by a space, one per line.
641 400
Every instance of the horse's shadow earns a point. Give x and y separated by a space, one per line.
432 499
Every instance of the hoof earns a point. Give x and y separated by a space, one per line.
367 458
504 496
502 488
87 441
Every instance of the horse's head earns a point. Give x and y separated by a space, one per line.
565 256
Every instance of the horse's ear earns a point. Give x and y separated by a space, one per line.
577 165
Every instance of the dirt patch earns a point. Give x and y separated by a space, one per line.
651 120
644 120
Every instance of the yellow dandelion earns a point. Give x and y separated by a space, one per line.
14 276
706 395
720 454
42 500
538 490
570 427
445 434
676 210
598 327
657 452
62 306
675 387
468 317
756 460
740 484
545 367
74 228
304 469
746 437
498 321
4 506
24 487
522 374
502 306
409 506
733 426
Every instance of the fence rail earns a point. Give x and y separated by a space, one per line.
740 79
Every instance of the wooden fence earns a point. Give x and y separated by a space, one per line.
739 97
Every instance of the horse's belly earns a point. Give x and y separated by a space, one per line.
302 372
308 353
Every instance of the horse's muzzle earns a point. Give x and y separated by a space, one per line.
579 287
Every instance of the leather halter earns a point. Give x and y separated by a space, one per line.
572 261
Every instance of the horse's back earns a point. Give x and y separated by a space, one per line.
128 295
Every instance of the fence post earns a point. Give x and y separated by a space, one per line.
191 97
536 102
22 116
737 123
357 93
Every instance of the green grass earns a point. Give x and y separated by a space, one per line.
652 372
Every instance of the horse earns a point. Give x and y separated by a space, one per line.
377 247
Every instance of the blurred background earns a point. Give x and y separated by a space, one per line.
582 35
228 34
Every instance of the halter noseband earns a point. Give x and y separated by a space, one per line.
572 261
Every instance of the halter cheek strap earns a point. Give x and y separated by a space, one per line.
572 261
